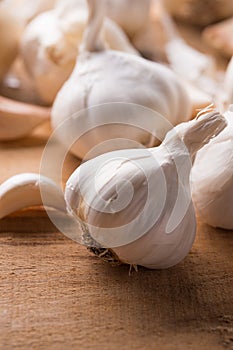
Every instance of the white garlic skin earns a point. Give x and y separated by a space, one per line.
9 36
212 179
98 192
108 77
131 15
51 42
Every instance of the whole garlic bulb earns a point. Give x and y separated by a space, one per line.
131 15
8 40
103 76
200 12
51 42
135 205
212 179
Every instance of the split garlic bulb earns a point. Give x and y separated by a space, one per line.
51 42
212 179
131 15
135 205
200 12
8 40
103 76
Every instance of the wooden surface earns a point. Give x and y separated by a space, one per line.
56 295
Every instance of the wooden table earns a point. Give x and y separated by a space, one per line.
56 295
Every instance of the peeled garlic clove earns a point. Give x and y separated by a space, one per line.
18 119
119 10
103 77
24 191
135 205
212 179
51 42
8 40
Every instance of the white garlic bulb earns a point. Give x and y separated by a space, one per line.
103 76
51 42
135 205
212 179
131 15
132 206
8 40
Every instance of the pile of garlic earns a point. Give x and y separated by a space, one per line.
134 205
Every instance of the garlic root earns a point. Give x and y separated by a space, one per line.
24 191
18 119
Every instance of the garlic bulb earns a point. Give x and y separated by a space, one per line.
135 205
212 179
23 191
51 42
8 40
103 76
200 12
131 15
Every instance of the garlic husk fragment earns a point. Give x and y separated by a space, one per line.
18 119
103 76
24 190
137 203
8 40
130 15
51 42
212 179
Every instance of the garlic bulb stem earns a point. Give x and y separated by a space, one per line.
91 38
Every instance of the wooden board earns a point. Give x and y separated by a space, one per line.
56 295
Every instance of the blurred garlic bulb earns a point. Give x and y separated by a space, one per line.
200 12
131 15
212 179
8 40
51 42
26 10
135 205
103 76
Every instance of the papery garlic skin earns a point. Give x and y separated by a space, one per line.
118 195
9 37
131 15
212 179
51 42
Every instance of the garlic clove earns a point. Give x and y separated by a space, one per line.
18 119
24 191
212 179
136 205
